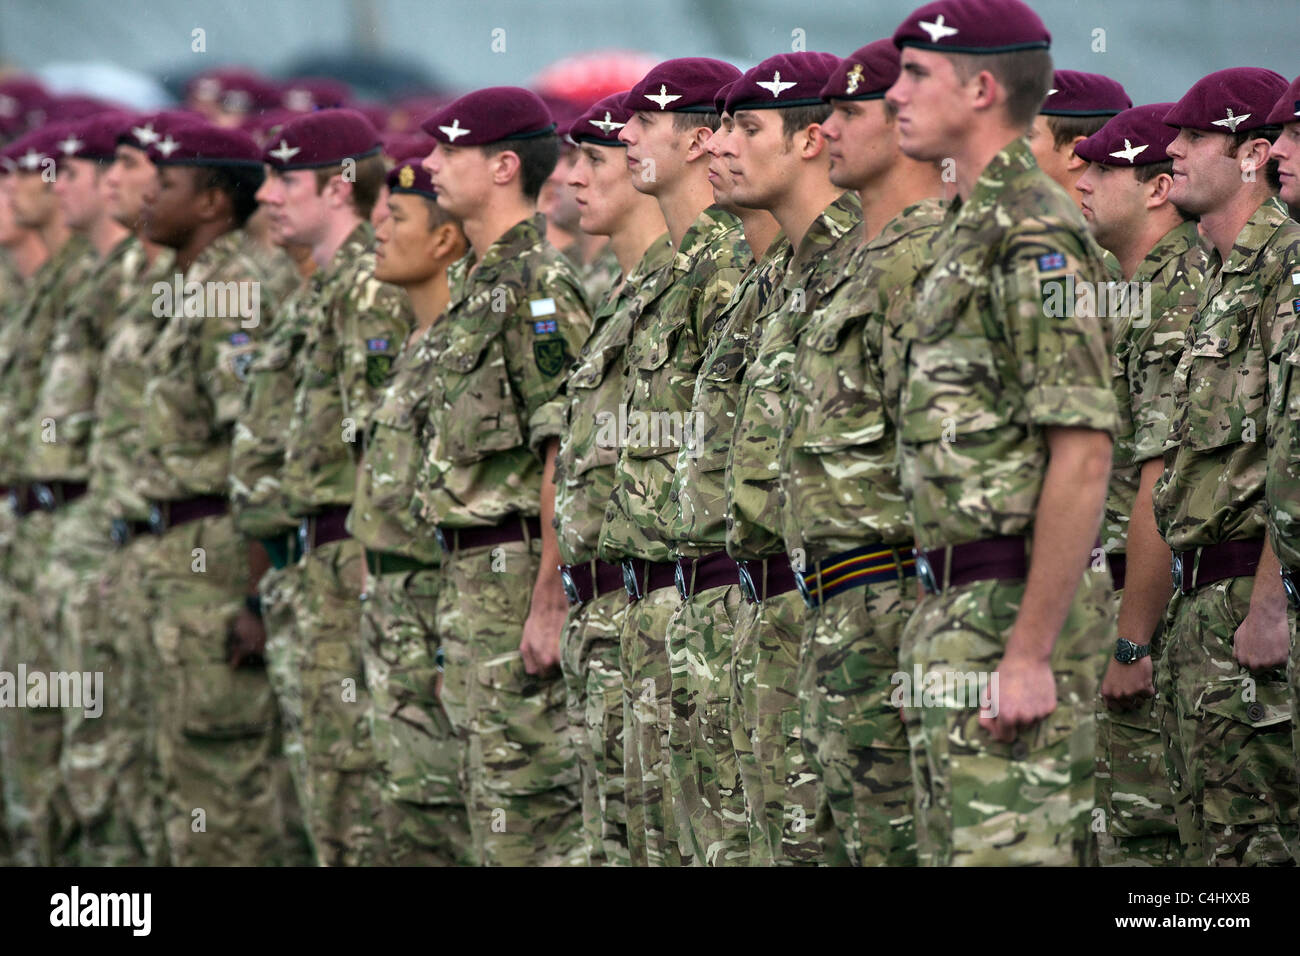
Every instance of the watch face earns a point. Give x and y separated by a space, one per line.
1124 651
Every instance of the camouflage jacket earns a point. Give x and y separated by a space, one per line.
600 275
839 467
117 450
989 366
261 431
663 356
1212 489
196 369
25 342
699 481
753 480
70 372
584 464
1148 343
514 322
1282 484
354 325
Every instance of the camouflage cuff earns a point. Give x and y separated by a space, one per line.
546 423
1074 407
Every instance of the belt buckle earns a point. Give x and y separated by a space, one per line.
925 571
156 523
630 584
120 532
804 591
1176 572
1291 589
747 582
442 539
14 500
44 496
679 579
304 534
570 586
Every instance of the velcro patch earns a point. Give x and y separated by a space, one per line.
550 356
376 345
541 307
377 367
239 338
1295 306
1051 260
545 327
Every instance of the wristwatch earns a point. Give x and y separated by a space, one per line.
1126 652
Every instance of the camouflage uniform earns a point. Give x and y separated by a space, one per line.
840 486
510 330
41 821
418 751
1228 740
1132 787
986 372
584 480
354 326
218 735
663 355
600 276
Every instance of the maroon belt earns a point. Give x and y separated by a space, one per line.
650 575
1229 559
325 528
23 500
993 559
1118 566
713 570
581 583
512 529
169 514
760 580
53 495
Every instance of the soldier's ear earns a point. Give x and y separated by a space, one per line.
1073 163
1157 190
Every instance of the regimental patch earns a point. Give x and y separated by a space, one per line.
376 345
545 327
1051 260
239 338
550 356
1295 306
377 367
240 362
542 307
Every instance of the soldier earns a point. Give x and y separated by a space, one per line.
42 822
1280 487
326 173
1228 739
776 163
609 205
1077 106
843 514
672 118
1125 201
514 323
590 255
418 751
218 734
1005 426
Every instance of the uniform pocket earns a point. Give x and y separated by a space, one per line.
1245 754
1222 385
842 409
662 383
593 415
481 417
522 729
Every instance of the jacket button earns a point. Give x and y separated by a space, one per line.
672 495
1255 712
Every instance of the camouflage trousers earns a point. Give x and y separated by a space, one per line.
766 733
218 742
708 795
520 773
1137 823
652 831
983 802
418 752
278 590
1227 734
42 823
853 737
344 806
593 691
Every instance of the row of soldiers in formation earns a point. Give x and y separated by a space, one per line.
840 532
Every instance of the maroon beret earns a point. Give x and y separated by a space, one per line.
1075 93
973 26
203 144
1135 137
403 146
489 116
323 138
602 121
864 74
144 131
720 101
29 152
781 81
1287 109
234 89
96 136
689 84
411 177
307 93
377 113
64 109
22 104
563 110
1229 101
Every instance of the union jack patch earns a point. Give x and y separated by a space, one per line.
376 345
239 338
545 327
1051 260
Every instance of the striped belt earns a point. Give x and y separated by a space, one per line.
854 568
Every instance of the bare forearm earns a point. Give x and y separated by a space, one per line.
548 591
1268 595
1147 585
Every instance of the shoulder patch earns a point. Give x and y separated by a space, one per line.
239 338
545 327
541 307
1051 260
550 356
376 345
377 367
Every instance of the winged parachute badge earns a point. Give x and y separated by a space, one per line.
1129 151
938 29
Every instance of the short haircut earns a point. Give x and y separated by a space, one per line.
1025 74
365 187
239 183
437 215
1271 173
1144 174
796 118
538 157
685 122
1066 128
